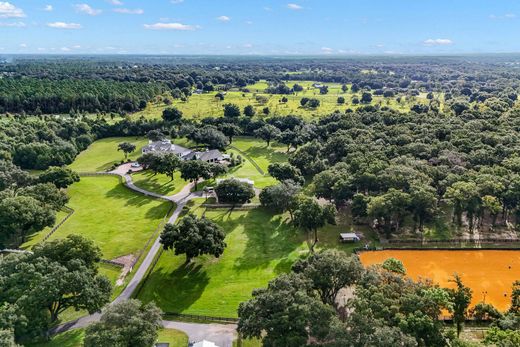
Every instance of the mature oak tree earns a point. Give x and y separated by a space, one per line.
61 177
193 237
126 323
232 191
127 148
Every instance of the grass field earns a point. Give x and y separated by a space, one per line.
260 246
257 150
118 220
74 338
102 154
200 106
488 273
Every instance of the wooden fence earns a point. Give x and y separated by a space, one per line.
70 212
202 318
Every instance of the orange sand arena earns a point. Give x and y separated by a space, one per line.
490 273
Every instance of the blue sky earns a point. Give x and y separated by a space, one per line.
269 27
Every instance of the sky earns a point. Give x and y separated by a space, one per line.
260 27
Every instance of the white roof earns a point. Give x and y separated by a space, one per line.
244 180
349 236
204 343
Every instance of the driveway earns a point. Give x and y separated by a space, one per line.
222 334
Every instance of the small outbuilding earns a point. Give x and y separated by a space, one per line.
349 237
204 343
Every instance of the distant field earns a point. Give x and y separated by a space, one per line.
489 273
200 106
102 154
118 220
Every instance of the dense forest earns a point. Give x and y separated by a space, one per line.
68 85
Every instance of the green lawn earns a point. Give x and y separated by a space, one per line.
102 154
160 184
257 150
260 246
74 338
118 220
174 337
204 105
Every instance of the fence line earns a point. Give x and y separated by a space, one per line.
234 207
250 159
150 269
153 236
202 317
111 262
454 240
71 211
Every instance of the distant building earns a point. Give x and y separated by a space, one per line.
349 237
244 180
166 146
317 85
204 343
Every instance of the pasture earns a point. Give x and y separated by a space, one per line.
489 273
118 220
260 246
199 106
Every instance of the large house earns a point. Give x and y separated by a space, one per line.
166 146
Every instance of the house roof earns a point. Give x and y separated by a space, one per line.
165 146
209 155
349 236
204 343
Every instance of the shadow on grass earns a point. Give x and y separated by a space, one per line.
176 291
268 239
132 198
150 182
270 155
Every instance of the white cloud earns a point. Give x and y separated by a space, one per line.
224 18
170 26
63 25
65 49
23 45
295 7
85 8
48 8
248 45
8 10
249 22
505 16
437 42
128 10
176 2
115 2
13 24
327 50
